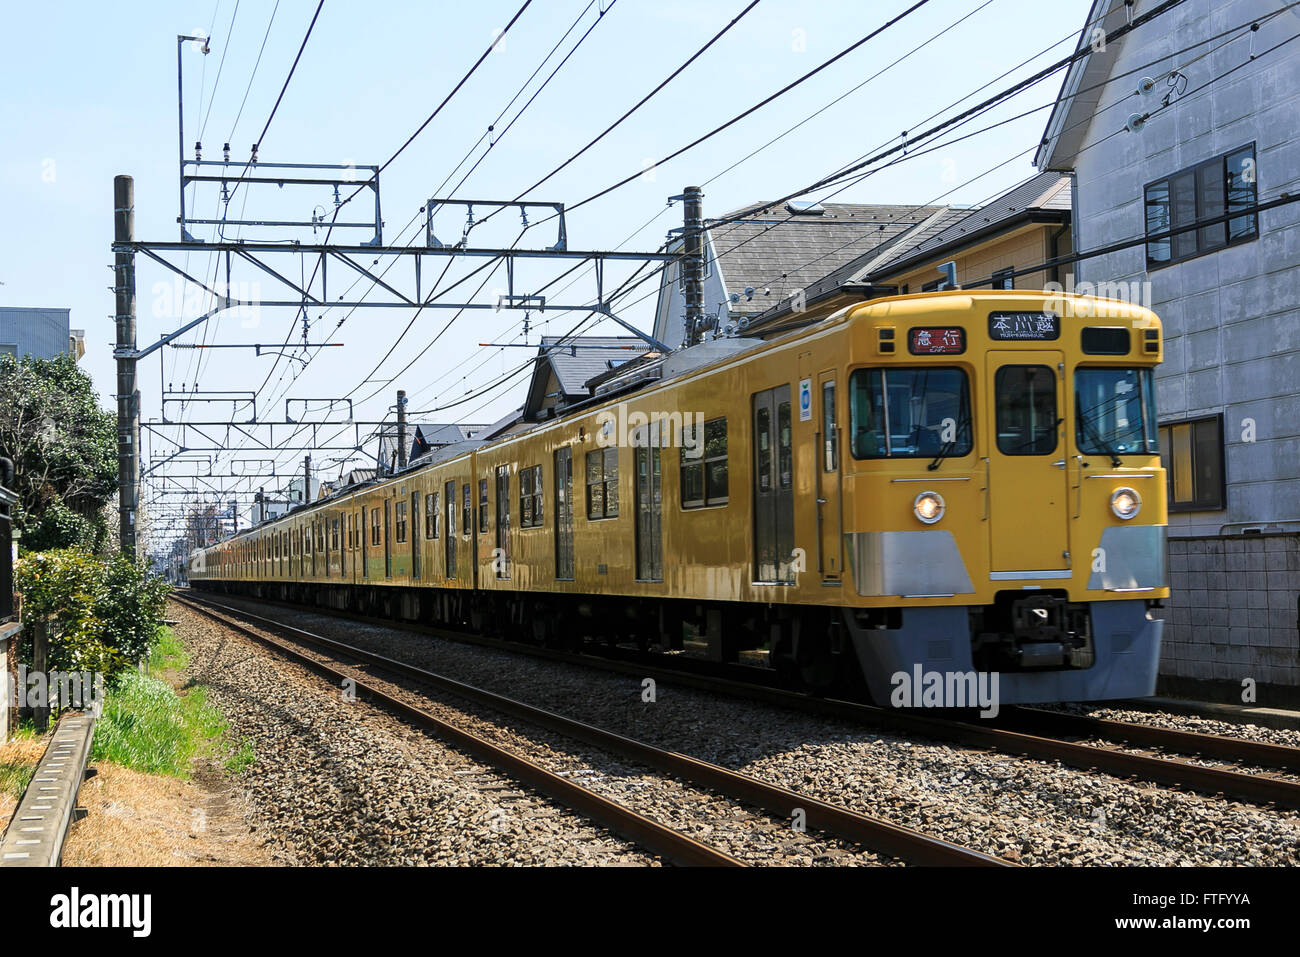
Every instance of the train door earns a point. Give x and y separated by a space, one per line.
417 534
449 532
564 514
388 538
829 510
649 509
1027 478
773 486
363 531
501 560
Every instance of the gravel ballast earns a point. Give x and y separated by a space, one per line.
1023 810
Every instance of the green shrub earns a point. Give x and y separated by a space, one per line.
102 614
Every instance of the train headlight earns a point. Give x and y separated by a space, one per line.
928 507
1125 503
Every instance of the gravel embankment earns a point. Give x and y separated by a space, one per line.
1031 811
346 783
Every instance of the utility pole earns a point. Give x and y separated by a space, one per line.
401 428
693 263
306 479
128 398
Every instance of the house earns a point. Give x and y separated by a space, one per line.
43 333
1173 135
769 254
565 366
1027 225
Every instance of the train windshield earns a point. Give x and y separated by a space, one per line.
910 413
1115 411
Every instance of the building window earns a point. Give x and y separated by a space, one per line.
932 286
1004 279
401 521
374 526
602 483
431 515
530 497
704 467
1192 454
1211 189
482 505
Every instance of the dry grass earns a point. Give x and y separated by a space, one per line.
153 820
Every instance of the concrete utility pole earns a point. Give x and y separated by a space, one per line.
693 263
306 479
128 397
401 428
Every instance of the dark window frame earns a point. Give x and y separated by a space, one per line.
1004 278
1201 246
703 464
1213 499
431 515
531 508
606 478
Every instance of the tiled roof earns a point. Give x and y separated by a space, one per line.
577 359
777 254
1044 192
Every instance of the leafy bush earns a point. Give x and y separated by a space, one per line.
102 614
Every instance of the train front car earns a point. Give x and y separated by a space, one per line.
1004 497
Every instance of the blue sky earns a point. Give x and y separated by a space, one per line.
90 92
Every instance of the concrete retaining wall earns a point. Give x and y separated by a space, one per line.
1233 609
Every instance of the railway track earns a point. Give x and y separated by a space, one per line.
1029 732
873 833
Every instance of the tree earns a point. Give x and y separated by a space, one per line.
64 448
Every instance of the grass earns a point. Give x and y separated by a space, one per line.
148 726
15 775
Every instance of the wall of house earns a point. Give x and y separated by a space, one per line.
1232 317
1022 247
38 332
1231 320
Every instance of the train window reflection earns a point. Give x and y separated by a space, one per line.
1026 410
909 413
1114 411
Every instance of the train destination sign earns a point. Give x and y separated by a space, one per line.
1018 326
936 341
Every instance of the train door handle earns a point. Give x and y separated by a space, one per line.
1059 465
821 501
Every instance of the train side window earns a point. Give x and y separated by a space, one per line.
334 529
704 467
483 505
763 427
431 515
467 511
784 446
374 526
602 484
830 430
1026 417
530 497
401 521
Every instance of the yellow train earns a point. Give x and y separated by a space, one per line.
958 483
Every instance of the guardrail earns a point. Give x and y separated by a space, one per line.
35 835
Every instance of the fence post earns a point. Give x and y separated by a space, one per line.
40 659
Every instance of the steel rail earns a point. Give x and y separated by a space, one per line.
892 839
1262 753
650 834
1251 788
